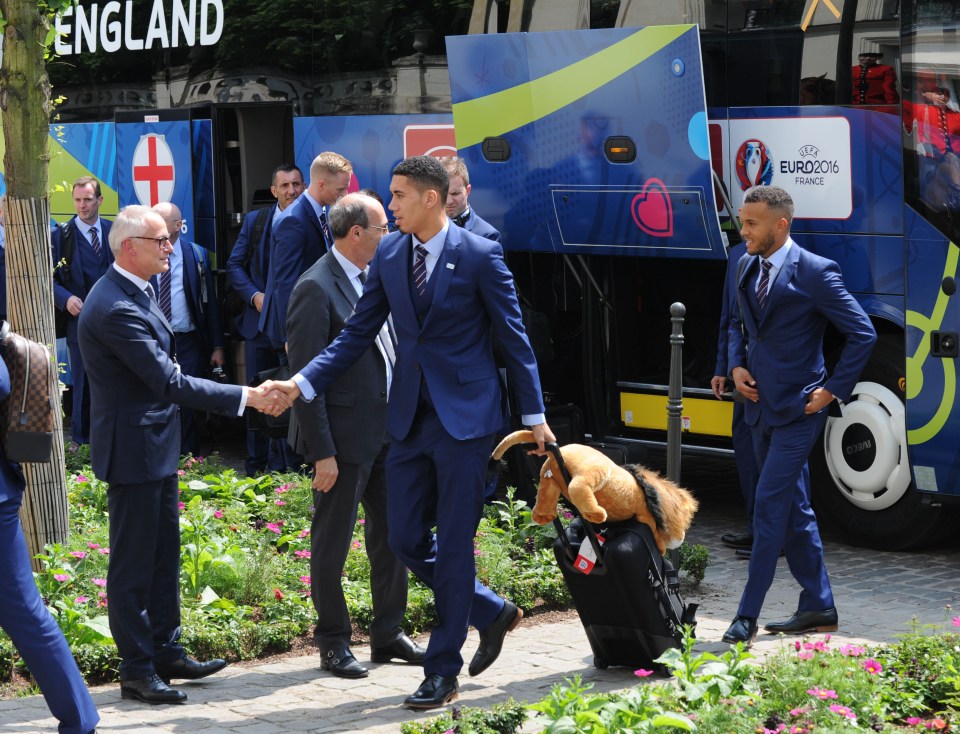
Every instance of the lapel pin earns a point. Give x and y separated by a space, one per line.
449 266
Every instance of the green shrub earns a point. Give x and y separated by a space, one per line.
502 718
694 559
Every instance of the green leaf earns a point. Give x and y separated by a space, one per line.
675 720
208 596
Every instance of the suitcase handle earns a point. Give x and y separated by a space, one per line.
591 534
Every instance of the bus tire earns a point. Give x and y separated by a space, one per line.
861 482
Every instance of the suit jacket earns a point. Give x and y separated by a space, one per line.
297 243
481 227
249 282
729 306
127 345
474 302
85 269
349 420
783 347
199 294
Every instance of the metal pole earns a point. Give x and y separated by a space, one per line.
675 393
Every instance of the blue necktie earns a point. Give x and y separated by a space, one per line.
420 270
763 287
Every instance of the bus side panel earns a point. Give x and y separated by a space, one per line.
204 201
82 149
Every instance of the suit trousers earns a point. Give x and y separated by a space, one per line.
193 362
746 458
35 632
143 580
783 518
80 391
334 517
436 480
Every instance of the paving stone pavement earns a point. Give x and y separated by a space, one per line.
879 596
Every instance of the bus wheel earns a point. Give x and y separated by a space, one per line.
860 470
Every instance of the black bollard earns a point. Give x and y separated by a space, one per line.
675 405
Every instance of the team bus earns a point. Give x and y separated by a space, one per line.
610 142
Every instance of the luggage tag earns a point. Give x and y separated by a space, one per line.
587 557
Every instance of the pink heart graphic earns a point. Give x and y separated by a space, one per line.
652 210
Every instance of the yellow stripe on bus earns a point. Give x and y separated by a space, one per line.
704 416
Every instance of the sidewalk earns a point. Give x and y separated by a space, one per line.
878 595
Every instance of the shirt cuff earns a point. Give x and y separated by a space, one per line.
533 420
306 389
243 400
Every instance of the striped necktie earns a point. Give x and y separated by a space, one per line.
385 339
763 287
165 295
95 240
420 270
325 229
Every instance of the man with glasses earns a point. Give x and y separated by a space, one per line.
186 296
135 386
342 434
80 257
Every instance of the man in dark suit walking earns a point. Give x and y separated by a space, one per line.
450 295
24 616
300 237
247 269
458 206
86 235
342 433
187 298
135 384
786 297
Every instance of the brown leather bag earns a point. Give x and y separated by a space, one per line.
26 415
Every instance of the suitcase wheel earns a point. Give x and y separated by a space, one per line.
600 663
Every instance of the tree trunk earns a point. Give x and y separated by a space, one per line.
25 105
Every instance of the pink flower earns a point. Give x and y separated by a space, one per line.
273 527
914 721
304 533
81 479
355 544
81 600
282 488
279 503
822 693
938 724
796 645
852 651
180 472
302 554
800 711
805 655
99 582
180 506
955 621
477 552
305 579
93 546
61 577
217 514
103 551
641 673
79 555
361 521
872 666
278 595
843 711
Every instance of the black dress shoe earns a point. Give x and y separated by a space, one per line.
186 668
151 690
743 629
491 638
435 691
800 622
342 663
403 648
737 540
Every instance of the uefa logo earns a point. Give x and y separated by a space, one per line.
754 167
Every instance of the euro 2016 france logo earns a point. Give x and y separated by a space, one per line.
754 167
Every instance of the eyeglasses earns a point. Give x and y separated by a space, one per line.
381 230
162 242
176 222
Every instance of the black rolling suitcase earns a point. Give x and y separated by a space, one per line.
629 602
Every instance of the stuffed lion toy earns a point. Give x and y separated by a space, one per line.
603 491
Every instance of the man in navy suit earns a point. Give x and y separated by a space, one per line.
135 384
786 296
457 207
343 434
743 451
25 618
300 237
73 280
185 289
247 269
450 295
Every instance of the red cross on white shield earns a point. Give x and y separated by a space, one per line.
153 170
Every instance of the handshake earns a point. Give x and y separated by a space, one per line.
273 397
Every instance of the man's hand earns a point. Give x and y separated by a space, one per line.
542 435
718 383
74 304
818 400
289 387
745 383
325 473
216 358
258 302
268 399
